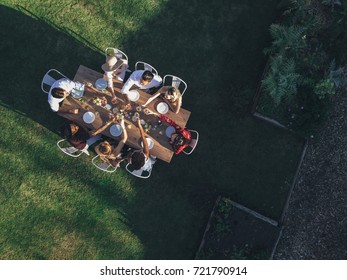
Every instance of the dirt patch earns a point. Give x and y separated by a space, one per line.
235 232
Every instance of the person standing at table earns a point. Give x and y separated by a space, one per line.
141 79
58 92
114 68
170 95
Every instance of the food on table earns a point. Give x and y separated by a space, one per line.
97 101
138 108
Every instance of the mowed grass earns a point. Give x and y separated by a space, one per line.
56 207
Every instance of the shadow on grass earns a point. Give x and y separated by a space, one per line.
31 47
216 47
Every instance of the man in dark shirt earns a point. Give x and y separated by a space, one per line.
80 138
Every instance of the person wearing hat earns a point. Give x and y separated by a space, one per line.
114 67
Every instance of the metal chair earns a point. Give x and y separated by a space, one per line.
171 80
102 165
140 65
49 78
193 143
66 148
117 53
120 55
144 172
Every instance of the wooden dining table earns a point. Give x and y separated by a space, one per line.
155 131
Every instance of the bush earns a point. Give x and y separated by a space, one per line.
301 79
281 81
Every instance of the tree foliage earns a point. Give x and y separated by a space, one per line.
281 81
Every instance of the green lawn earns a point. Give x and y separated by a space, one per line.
56 207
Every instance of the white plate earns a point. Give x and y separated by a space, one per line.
88 117
169 131
108 107
100 84
149 142
162 108
133 95
116 130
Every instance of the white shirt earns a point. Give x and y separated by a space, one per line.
120 76
65 84
135 79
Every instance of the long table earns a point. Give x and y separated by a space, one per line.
161 149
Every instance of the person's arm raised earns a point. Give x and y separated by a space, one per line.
121 142
144 140
179 104
151 99
102 128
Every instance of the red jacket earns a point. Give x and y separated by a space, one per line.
183 131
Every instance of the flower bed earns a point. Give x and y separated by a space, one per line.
235 232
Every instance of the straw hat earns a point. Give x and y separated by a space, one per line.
110 64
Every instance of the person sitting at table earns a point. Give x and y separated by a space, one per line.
114 68
180 139
79 137
58 92
170 95
111 154
141 79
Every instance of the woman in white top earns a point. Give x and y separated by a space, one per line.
114 68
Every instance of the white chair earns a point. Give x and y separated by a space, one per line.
140 65
102 165
66 148
144 172
49 78
117 53
171 80
193 142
